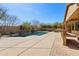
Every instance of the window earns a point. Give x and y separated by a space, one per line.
72 26
77 4
77 26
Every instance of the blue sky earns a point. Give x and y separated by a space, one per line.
43 12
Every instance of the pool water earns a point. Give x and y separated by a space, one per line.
39 33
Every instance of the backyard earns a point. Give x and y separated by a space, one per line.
49 44
39 31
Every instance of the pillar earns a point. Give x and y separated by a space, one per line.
74 26
64 34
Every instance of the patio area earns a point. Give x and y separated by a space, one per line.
45 45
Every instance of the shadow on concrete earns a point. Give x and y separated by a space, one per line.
73 44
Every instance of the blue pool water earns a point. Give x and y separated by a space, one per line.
39 33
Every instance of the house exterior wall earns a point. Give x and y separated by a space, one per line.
68 20
75 32
71 15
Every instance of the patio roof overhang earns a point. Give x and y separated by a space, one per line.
74 17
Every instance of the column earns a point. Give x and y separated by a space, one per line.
74 26
64 34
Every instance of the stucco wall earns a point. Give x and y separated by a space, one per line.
75 32
9 29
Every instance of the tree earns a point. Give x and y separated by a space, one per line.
11 20
2 16
2 12
46 25
26 26
57 25
6 19
60 25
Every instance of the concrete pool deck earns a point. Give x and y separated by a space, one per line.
46 45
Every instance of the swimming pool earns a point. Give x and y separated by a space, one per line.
39 33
